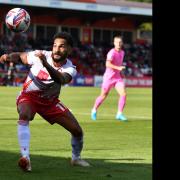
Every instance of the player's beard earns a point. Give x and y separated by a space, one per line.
61 58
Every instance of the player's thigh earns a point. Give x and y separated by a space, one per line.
60 114
69 122
107 85
26 111
120 88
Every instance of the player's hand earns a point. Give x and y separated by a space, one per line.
121 68
41 56
4 58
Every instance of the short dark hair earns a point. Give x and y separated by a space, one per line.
117 36
66 36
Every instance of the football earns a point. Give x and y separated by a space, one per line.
17 20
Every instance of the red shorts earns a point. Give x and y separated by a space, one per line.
48 109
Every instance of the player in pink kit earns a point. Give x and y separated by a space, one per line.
112 78
49 70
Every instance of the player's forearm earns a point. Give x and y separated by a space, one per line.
14 57
58 77
55 75
110 65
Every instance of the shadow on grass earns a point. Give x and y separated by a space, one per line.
59 168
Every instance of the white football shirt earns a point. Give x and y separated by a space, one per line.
39 79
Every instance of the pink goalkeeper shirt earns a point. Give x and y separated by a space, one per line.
116 58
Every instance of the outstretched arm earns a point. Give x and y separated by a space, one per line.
15 57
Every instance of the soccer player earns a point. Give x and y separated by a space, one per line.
112 78
48 71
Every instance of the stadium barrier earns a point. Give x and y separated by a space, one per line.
81 80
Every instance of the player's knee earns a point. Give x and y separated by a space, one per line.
104 95
124 93
77 132
23 122
25 116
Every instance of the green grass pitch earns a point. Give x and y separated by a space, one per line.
116 150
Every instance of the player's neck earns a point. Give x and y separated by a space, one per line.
118 49
59 64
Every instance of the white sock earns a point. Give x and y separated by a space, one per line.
24 137
77 146
119 112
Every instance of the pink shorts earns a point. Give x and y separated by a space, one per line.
49 110
107 85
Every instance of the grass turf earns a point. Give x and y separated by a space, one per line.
116 150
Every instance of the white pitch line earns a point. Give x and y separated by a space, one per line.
109 115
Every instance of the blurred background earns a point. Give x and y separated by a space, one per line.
92 23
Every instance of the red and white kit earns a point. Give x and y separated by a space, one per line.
40 90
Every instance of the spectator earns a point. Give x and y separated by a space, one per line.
89 58
11 75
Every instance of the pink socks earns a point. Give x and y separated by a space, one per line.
98 102
121 103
